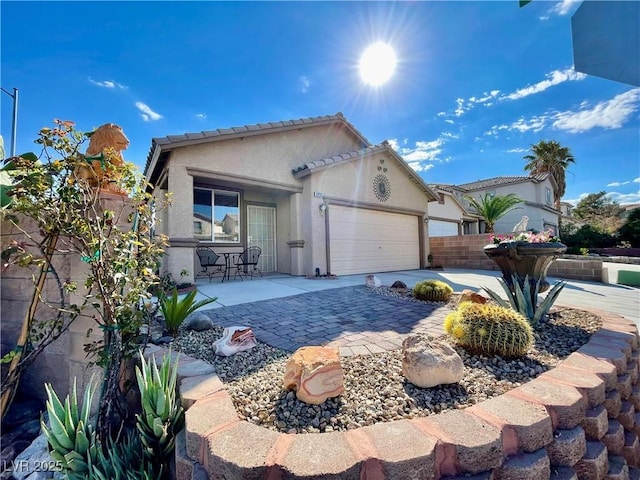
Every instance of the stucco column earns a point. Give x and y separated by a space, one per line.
180 253
296 242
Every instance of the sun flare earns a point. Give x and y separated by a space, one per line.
377 64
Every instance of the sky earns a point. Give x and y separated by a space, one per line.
475 84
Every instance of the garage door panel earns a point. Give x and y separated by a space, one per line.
364 241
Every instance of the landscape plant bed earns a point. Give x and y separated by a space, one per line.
375 390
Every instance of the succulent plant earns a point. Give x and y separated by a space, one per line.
489 329
432 290
71 436
162 414
523 300
175 309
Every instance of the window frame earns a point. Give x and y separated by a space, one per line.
226 191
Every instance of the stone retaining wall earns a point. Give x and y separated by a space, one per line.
578 420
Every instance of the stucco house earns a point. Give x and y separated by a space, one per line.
312 193
449 216
536 191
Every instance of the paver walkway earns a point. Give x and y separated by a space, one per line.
354 319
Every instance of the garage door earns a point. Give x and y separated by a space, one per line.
367 241
438 228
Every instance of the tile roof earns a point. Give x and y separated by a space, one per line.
310 167
172 141
501 181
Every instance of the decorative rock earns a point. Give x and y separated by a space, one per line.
198 322
399 287
427 362
471 296
33 458
315 373
235 339
372 281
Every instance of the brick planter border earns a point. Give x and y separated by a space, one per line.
581 418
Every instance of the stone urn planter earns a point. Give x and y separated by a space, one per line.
521 258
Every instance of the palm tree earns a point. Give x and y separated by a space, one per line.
553 158
492 207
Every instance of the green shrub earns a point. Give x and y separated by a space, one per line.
432 290
175 310
489 329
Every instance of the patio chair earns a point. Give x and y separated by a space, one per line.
210 263
247 262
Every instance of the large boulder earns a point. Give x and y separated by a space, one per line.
428 362
315 373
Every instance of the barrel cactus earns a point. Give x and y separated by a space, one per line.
432 290
489 329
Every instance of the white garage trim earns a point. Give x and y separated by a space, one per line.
366 241
441 228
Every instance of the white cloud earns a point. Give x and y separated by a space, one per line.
424 154
554 78
304 83
517 150
201 116
625 198
608 114
617 184
420 167
449 121
147 114
107 84
636 180
564 7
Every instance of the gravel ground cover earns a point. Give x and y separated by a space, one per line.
375 390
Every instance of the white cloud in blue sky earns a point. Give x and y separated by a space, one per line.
553 78
147 113
201 116
107 84
304 83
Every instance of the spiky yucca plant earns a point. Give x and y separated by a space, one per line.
71 436
523 300
489 329
432 290
162 415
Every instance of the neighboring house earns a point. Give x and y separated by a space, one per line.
566 215
312 193
448 216
536 191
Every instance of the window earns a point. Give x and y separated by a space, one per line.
441 198
216 215
548 196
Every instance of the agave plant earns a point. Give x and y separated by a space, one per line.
71 437
523 300
175 310
123 459
162 415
